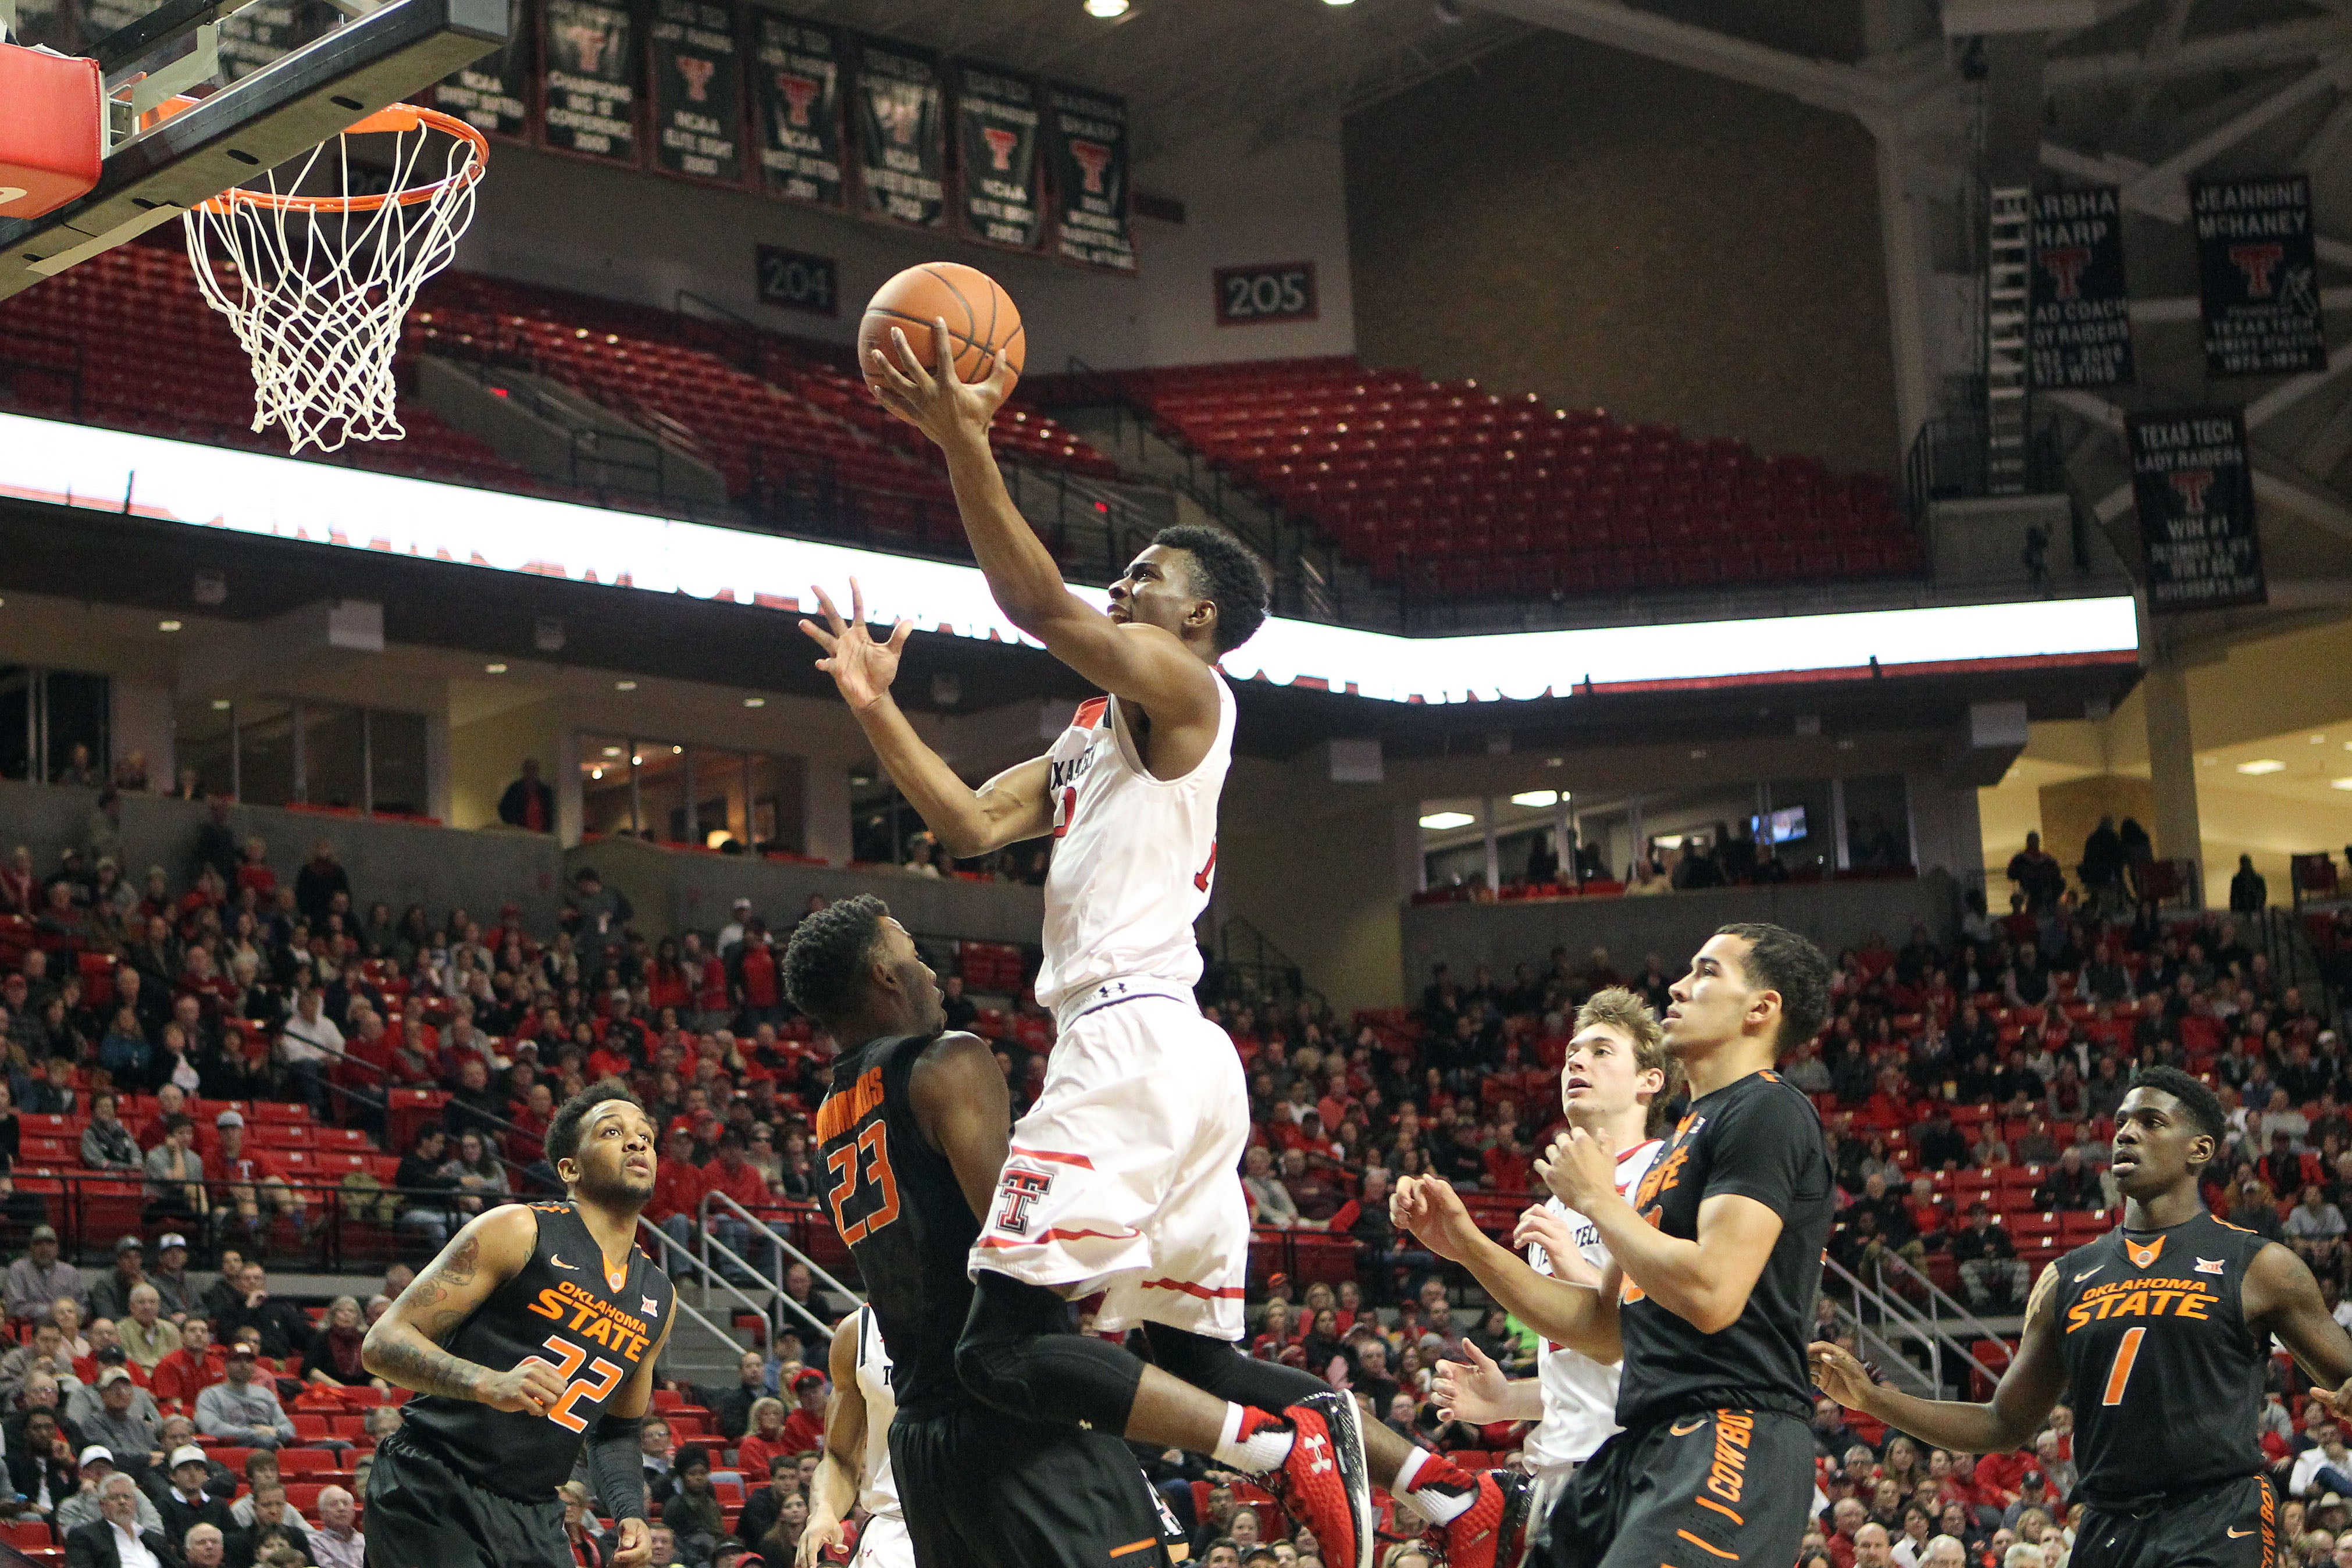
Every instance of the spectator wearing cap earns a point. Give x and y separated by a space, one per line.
805 1428
147 1336
96 1464
188 1371
34 1281
110 1293
128 1432
731 935
248 1175
2032 1492
184 1502
241 1409
527 804
86 1406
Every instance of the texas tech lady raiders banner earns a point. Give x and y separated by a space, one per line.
2080 327
697 90
899 111
996 151
796 93
2258 271
1085 135
2195 491
592 79
494 94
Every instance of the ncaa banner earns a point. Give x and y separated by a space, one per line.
796 93
2258 268
900 115
2079 331
1085 135
591 82
494 94
698 91
996 150
2195 491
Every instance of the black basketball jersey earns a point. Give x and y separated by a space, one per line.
897 1202
565 1310
2163 1373
1757 1137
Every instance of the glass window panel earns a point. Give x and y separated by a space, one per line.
606 805
78 712
1877 822
16 721
265 747
334 755
396 748
722 801
1808 837
778 814
206 743
661 789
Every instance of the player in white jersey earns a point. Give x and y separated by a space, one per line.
1615 1084
855 1466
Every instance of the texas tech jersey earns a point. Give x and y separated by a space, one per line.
896 1202
2163 1373
563 1308
1579 1394
877 1493
1134 856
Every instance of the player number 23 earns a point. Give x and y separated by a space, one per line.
871 1149
601 1379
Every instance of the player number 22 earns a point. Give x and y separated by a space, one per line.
601 1379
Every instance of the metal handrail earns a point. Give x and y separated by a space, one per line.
708 1278
1938 1303
782 1246
1877 1346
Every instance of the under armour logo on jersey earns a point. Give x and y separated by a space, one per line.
2209 1266
557 1258
1117 989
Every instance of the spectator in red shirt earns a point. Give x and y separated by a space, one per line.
765 1441
756 987
188 1371
678 1188
739 1179
250 1175
805 1428
1509 1169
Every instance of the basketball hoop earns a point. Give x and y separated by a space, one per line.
316 286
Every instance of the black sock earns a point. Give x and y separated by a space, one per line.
1224 1370
1018 1353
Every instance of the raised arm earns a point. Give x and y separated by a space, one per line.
1583 1319
1011 806
2020 1401
405 1346
964 1110
1146 665
832 1493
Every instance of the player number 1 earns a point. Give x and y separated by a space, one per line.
2126 1352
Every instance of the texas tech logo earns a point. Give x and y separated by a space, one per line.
2191 486
1021 1188
2064 264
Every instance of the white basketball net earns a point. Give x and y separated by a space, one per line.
316 286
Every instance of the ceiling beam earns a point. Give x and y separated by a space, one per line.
2163 189
1825 84
2255 48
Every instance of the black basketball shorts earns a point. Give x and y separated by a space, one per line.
1711 1488
2233 1525
422 1513
982 1490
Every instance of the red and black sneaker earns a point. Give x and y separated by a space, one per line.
1325 1484
1492 1532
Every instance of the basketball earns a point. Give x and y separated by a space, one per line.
982 321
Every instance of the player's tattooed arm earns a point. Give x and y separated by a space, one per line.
405 1345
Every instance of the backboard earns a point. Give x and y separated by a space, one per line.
379 56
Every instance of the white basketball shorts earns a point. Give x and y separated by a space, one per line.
884 1543
1125 1177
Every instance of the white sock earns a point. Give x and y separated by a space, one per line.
1261 1452
1440 1505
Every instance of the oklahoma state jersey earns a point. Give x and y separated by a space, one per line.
1134 856
2163 1373
565 1310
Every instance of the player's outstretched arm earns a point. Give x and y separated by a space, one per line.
1146 665
405 1346
1478 1391
833 1491
2281 1297
2020 1401
1584 1320
960 1102
1009 807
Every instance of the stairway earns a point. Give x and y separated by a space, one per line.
2009 260
561 436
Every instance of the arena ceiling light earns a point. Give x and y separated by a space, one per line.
1538 797
1106 9
1439 821
2340 783
196 486
2262 765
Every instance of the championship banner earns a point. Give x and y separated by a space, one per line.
493 95
2195 491
899 114
2079 331
591 80
796 93
2258 268
698 91
996 152
1085 135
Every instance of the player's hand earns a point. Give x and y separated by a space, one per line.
636 1546
1578 1171
1840 1373
1430 1208
821 1534
532 1388
1541 1227
1474 1394
862 667
2338 1401
925 391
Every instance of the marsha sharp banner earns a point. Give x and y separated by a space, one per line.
2258 269
2079 329
2195 491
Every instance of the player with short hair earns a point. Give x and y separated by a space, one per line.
534 1333
1615 1083
2158 1335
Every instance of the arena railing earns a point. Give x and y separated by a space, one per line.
715 1204
1925 1328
